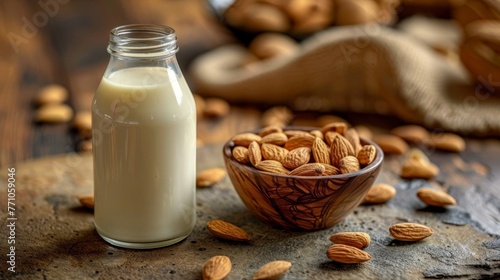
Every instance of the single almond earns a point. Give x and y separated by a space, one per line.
304 140
330 170
434 197
291 133
411 133
309 169
87 200
278 115
273 152
244 139
210 177
272 270
447 142
366 155
410 231
417 169
216 107
216 268
270 129
54 113
340 149
339 127
276 138
272 166
240 154
297 157
317 133
228 231
330 136
359 240
321 151
352 136
254 153
348 164
379 193
417 154
391 144
52 94
347 254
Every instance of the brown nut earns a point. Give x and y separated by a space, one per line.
269 45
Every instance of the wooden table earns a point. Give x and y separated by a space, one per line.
56 237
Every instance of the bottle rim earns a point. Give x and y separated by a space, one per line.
142 40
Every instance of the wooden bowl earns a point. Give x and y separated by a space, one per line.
299 202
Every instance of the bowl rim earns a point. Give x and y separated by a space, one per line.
379 158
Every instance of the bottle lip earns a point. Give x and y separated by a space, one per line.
142 40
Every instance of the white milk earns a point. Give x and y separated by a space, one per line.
144 147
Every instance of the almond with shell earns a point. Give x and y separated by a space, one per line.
297 157
348 164
340 149
366 155
272 270
359 240
447 142
273 152
330 170
226 230
298 141
321 151
379 193
244 139
339 127
410 231
254 153
347 254
352 136
418 169
308 169
434 197
276 138
216 268
272 166
240 154
270 129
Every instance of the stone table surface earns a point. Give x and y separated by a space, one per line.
55 237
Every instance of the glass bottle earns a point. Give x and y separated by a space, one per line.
144 142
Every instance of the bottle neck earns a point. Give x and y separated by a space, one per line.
142 45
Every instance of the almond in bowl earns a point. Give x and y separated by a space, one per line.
303 184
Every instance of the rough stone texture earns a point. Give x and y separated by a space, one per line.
56 239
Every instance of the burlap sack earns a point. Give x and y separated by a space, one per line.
371 69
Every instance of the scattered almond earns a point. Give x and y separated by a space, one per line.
391 144
210 177
216 268
227 231
434 197
87 200
379 193
411 133
417 169
447 142
359 240
410 231
54 113
216 107
52 94
348 164
347 254
272 270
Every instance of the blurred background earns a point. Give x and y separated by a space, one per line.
50 48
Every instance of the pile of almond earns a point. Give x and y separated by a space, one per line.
333 149
300 17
